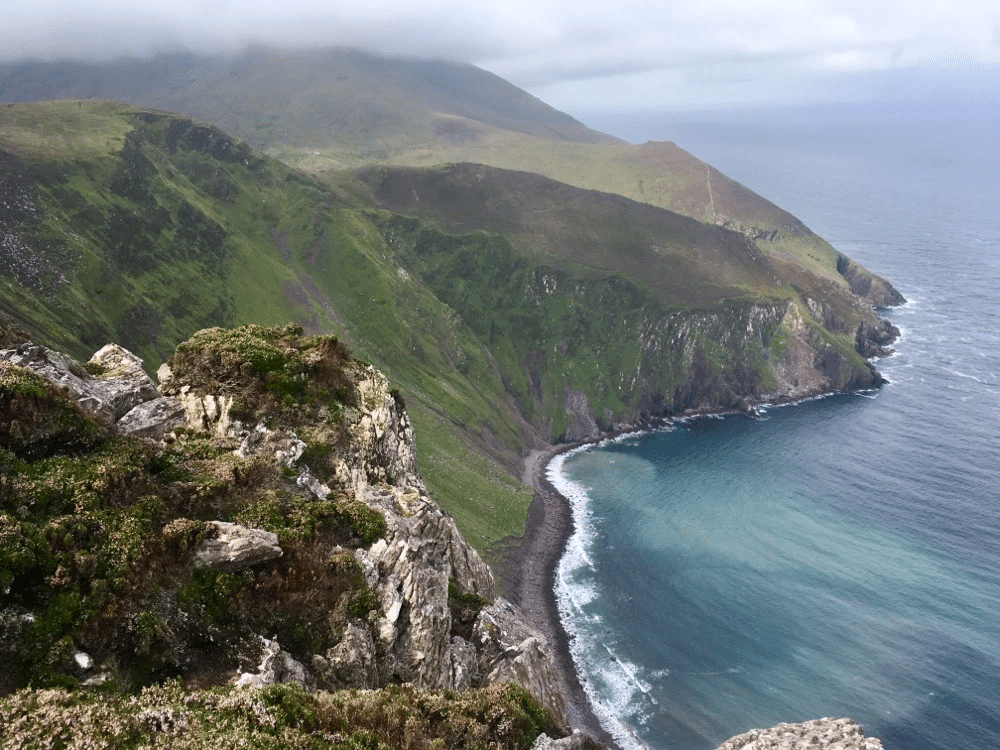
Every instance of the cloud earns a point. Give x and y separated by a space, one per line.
686 49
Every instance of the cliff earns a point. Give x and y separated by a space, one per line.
255 525
514 311
256 519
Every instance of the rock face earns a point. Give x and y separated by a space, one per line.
874 290
433 620
819 734
234 547
511 649
112 387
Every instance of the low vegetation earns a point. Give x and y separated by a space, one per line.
97 531
506 309
501 716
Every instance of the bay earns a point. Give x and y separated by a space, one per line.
840 556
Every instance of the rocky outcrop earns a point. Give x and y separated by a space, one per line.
109 387
430 616
231 547
819 734
875 339
510 649
119 380
582 426
276 666
153 419
873 289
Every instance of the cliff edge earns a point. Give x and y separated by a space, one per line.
249 544
256 519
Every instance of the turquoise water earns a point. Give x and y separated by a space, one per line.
836 557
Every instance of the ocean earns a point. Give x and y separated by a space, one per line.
841 556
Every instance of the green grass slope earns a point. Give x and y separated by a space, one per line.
140 228
328 109
509 309
598 309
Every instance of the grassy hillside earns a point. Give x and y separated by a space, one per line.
509 309
338 109
140 228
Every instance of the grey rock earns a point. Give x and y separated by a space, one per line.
123 384
276 666
283 446
235 547
464 664
152 419
410 569
207 412
351 663
512 650
818 734
64 372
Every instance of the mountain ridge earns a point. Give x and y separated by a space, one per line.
326 109
141 227
509 311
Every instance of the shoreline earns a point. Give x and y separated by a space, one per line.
527 571
527 565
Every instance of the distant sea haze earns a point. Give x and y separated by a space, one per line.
839 557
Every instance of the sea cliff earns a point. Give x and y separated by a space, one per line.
255 519
250 538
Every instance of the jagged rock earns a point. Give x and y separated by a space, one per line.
819 734
207 412
65 372
275 666
152 419
122 384
464 664
235 547
410 569
511 649
874 339
582 426
575 741
382 443
283 445
351 663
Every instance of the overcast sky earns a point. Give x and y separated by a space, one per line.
582 55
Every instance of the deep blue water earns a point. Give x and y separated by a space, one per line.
840 556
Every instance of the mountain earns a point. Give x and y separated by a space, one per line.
511 310
335 109
345 101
